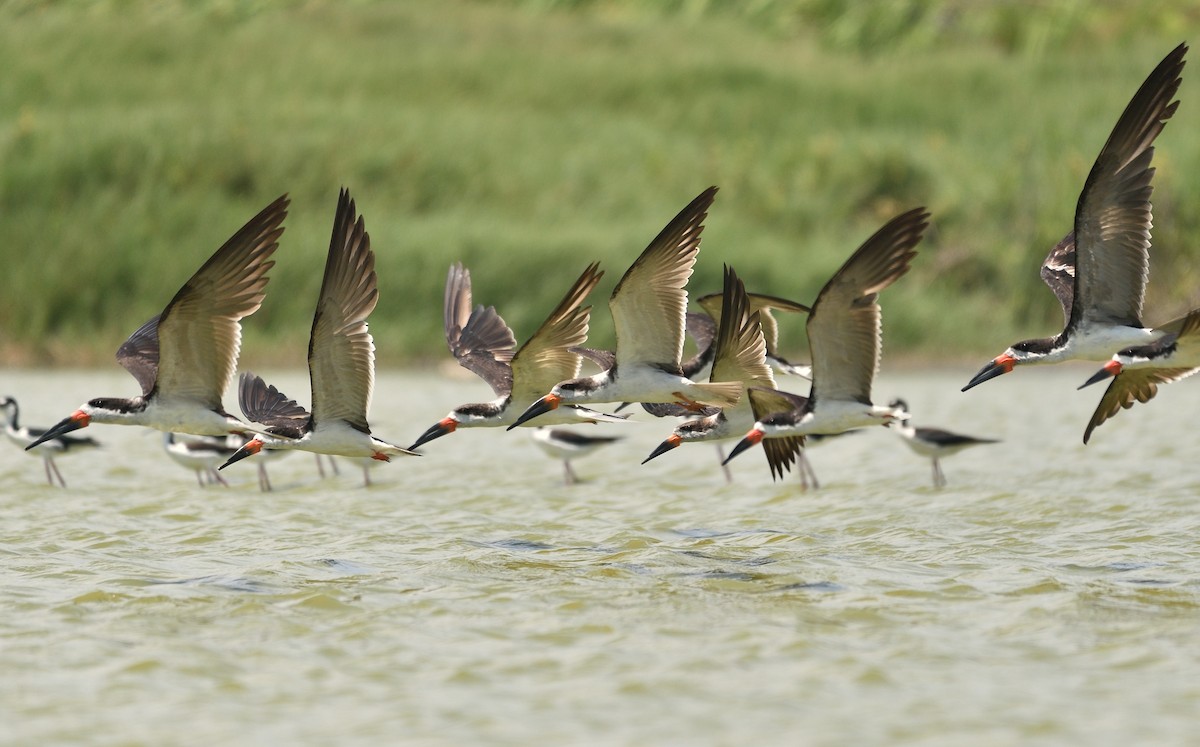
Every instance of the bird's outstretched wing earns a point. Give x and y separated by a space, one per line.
200 331
478 338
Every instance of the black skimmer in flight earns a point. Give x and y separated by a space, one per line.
649 308
566 444
1139 371
764 305
845 336
341 361
1099 271
740 357
57 446
934 442
483 344
185 357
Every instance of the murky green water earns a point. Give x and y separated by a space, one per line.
1049 595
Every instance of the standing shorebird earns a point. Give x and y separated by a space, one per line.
934 442
483 344
566 444
845 334
740 357
341 361
1140 370
1099 271
648 309
185 357
200 454
57 446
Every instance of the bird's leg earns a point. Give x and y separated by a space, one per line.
724 466
52 467
264 481
216 478
568 473
687 402
366 474
320 466
333 466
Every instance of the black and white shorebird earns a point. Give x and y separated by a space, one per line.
934 443
649 308
204 454
185 357
845 335
200 454
1099 271
57 446
566 444
1139 371
341 361
740 357
484 344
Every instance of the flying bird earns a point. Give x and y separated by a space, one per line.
341 361
184 357
648 309
845 335
1099 271
1139 371
484 344
740 357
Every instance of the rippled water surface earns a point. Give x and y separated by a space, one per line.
1049 595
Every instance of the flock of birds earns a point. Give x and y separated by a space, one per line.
185 357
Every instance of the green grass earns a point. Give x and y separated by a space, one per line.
530 138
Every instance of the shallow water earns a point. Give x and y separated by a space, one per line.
1049 595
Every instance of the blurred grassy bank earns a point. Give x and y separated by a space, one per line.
529 138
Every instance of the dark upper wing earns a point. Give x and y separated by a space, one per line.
782 453
844 326
1113 216
262 403
740 349
768 402
550 356
758 302
1130 387
605 359
341 353
479 339
1141 384
702 329
200 331
1058 272
649 305
139 355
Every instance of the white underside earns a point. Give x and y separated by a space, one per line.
558 416
563 449
636 384
175 417
1095 343
832 417
338 439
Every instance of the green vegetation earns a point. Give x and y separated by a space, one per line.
529 138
